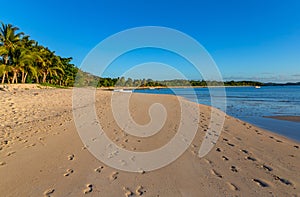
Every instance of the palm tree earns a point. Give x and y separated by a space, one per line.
30 58
9 39
4 70
23 61
68 77
49 63
27 42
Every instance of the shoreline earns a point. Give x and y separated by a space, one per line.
22 87
166 87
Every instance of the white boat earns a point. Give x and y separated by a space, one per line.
122 90
257 87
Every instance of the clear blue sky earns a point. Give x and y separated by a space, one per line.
251 39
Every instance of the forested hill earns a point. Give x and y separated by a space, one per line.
86 79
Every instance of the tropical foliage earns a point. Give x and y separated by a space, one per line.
23 60
123 82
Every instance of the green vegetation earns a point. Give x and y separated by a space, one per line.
24 60
122 82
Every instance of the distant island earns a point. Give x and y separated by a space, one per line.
282 84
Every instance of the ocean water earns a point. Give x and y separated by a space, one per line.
250 104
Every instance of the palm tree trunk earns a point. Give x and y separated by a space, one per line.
8 78
44 77
23 77
3 78
15 78
5 59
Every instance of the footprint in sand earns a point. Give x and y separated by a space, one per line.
128 192
260 183
238 138
99 169
49 192
251 158
233 169
297 147
218 150
283 180
208 161
139 190
268 168
31 145
122 146
229 144
194 152
225 158
88 189
68 172
245 151
194 145
83 148
116 139
258 133
214 172
10 153
5 142
113 176
2 163
141 171
71 157
232 186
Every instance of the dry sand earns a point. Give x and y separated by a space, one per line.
41 153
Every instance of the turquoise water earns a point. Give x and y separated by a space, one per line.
251 105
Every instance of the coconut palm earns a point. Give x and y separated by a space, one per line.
23 61
27 42
4 69
10 39
49 64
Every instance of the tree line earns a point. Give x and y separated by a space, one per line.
23 60
129 82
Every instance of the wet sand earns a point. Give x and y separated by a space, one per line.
41 153
288 118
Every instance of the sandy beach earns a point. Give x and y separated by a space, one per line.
41 153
